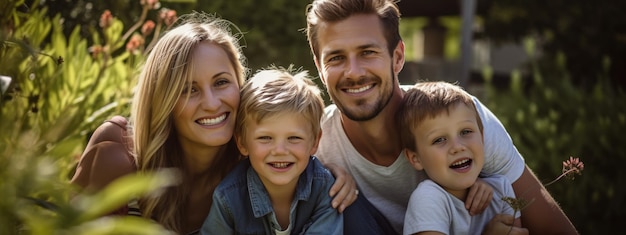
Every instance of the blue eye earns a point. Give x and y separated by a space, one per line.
222 82
264 139
335 58
466 131
295 139
191 90
368 52
439 140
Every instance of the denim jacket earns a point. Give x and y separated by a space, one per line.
241 205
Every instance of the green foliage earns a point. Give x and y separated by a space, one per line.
272 30
578 29
35 201
56 91
61 87
408 29
550 119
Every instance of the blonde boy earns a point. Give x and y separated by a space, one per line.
280 188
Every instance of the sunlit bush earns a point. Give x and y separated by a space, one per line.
550 119
55 90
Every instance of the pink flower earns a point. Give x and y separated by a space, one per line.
147 28
572 166
95 50
106 19
134 43
167 16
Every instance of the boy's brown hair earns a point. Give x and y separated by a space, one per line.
330 11
428 100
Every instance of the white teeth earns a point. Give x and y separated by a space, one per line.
212 121
359 89
280 164
460 162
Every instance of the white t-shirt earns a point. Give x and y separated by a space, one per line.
431 208
283 232
389 188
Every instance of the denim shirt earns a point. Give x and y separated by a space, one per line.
241 205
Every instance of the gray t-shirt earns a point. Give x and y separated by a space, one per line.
389 188
431 208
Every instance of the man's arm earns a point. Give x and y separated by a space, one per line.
504 224
343 191
543 215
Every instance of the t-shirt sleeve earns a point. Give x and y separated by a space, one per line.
428 210
503 185
501 156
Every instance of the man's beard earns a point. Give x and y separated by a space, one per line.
371 111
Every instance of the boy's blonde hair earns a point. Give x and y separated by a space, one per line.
275 90
428 100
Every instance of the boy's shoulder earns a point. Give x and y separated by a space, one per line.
498 182
428 185
318 169
236 178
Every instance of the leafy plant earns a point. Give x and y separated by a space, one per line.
55 90
548 116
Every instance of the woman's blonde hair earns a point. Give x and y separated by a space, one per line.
168 69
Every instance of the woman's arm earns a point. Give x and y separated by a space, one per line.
106 157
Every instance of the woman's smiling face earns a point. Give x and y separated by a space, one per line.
208 116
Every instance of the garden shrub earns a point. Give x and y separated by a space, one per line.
550 119
56 89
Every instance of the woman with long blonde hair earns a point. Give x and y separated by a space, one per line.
182 116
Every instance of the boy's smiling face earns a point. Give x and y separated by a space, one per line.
450 149
279 147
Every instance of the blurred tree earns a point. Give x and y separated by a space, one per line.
272 30
586 36
86 13
554 118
